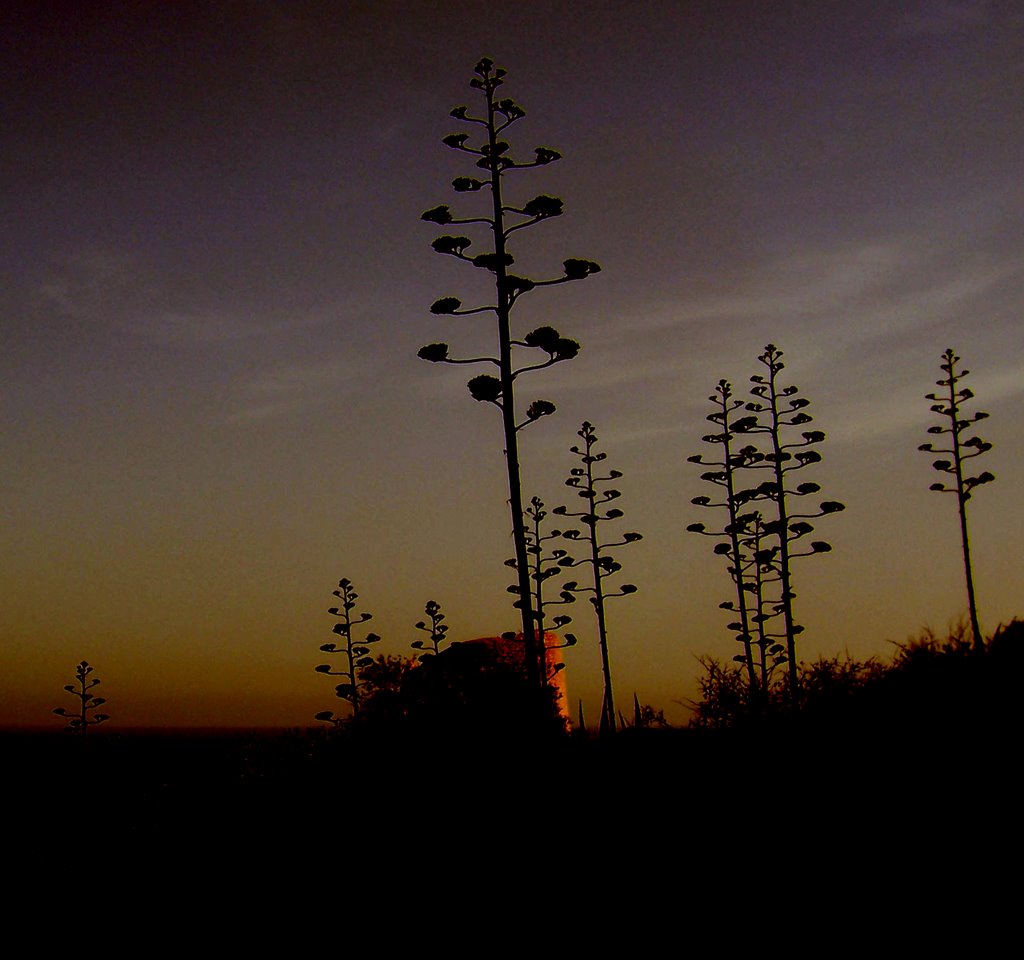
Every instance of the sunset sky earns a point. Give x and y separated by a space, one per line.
215 283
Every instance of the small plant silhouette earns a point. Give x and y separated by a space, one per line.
544 566
356 653
504 219
949 405
436 631
602 564
83 717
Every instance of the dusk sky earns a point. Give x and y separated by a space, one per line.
215 281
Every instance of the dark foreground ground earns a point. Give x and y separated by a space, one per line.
908 784
128 791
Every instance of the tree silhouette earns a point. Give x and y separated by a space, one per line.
356 653
602 564
83 717
782 409
492 156
961 450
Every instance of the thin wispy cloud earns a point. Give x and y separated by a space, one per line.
110 289
285 389
902 409
860 292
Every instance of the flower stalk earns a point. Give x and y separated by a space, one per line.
491 155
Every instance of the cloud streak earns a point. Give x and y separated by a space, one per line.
109 289
287 388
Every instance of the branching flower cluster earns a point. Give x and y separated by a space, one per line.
750 562
491 155
590 488
544 565
760 547
355 653
436 631
83 716
949 404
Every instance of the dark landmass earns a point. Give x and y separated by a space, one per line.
934 744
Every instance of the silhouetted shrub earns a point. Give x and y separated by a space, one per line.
934 691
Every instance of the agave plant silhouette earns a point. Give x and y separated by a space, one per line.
83 716
590 488
436 630
544 565
503 219
781 410
949 405
725 476
355 653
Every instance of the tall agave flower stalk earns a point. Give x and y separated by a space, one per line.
355 653
543 566
590 488
733 533
949 405
503 219
761 578
781 410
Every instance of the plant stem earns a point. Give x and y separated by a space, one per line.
508 413
961 496
783 531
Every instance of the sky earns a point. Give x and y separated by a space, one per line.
215 281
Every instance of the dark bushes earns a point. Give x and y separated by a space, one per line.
934 690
